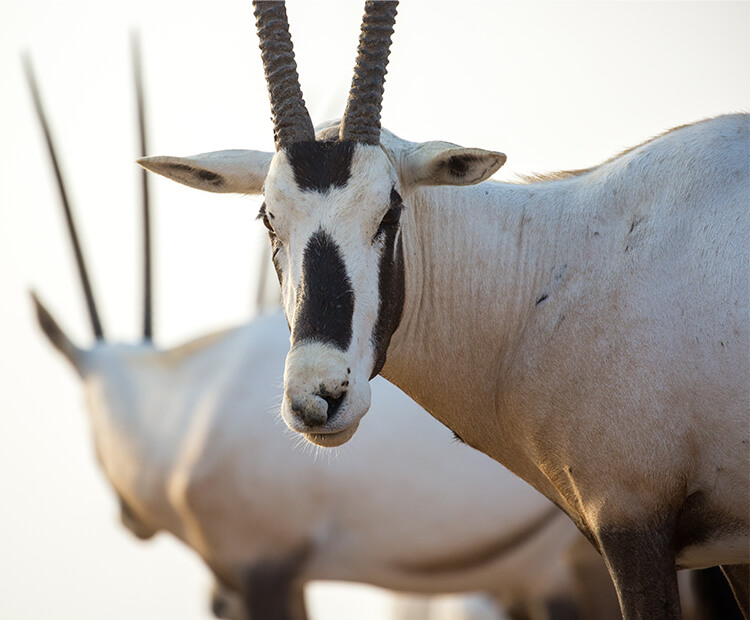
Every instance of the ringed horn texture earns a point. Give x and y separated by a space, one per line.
361 121
291 120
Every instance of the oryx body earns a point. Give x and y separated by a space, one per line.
590 331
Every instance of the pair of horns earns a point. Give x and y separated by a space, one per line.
96 324
361 122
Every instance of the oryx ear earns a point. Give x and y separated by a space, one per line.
57 336
235 171
442 163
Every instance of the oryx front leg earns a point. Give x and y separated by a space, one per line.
738 576
640 558
272 589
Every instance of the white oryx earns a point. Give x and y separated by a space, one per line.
189 440
589 331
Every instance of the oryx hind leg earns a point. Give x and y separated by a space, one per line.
640 559
738 576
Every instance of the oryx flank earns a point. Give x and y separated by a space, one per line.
188 440
588 331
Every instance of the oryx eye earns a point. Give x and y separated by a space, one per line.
266 217
267 224
392 216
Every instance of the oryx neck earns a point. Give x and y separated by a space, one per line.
478 263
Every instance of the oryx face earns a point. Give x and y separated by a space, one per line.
333 209
333 212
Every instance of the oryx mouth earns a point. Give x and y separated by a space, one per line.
332 439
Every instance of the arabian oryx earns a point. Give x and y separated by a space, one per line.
589 330
189 441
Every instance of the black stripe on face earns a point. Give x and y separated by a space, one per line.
320 165
325 300
390 291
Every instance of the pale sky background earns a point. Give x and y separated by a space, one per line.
553 85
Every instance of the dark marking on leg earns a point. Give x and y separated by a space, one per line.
325 300
559 608
641 562
272 590
320 165
713 596
738 576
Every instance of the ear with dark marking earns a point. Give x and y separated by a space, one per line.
442 163
56 335
234 171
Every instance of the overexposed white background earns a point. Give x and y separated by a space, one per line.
554 85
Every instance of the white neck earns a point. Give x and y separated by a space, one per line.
477 260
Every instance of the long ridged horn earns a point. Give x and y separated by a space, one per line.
291 119
148 331
96 325
361 122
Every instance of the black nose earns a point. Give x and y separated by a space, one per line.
319 409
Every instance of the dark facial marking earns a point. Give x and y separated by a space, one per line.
325 300
541 299
390 289
320 165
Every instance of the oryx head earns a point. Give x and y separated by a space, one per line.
333 207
